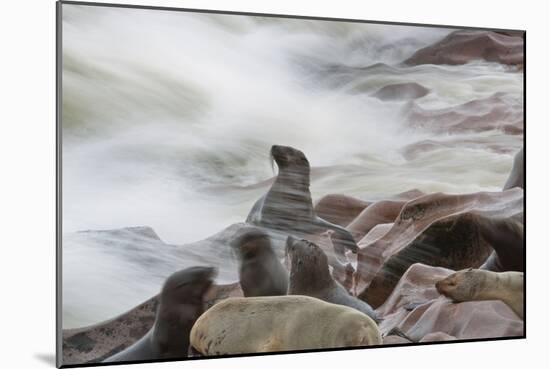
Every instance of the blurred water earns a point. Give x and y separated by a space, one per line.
168 118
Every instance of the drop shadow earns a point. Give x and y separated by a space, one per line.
46 358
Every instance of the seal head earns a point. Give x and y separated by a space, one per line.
460 286
310 276
181 302
260 271
187 286
290 160
308 266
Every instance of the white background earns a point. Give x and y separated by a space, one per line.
27 167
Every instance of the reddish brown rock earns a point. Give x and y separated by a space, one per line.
342 209
465 320
463 46
379 212
371 256
339 209
436 229
415 288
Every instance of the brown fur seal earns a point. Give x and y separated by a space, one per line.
260 271
450 243
181 302
518 171
506 237
310 276
475 285
280 323
287 206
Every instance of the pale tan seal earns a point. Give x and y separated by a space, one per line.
476 284
280 323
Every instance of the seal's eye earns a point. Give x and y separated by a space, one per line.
182 284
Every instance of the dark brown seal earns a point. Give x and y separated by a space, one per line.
181 302
310 276
260 271
287 206
505 235
453 243
518 171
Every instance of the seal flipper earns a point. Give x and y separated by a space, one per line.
255 215
398 332
191 352
516 177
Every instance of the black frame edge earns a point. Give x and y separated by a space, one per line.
525 183
313 351
58 198
288 16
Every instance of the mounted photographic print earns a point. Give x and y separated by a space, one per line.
243 184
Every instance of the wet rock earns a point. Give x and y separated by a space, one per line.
463 46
